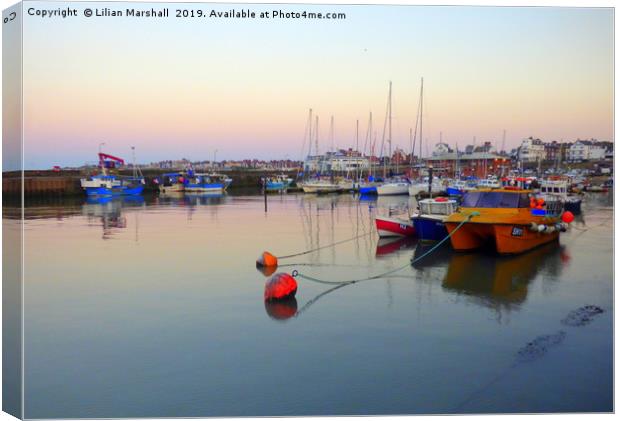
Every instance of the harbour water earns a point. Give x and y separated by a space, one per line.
154 307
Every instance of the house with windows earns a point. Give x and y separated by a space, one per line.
531 150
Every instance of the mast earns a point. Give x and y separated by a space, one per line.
316 143
357 143
390 123
421 110
310 133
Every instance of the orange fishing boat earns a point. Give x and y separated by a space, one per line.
510 220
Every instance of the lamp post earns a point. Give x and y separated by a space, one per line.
430 180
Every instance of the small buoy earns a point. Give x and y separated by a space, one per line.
280 286
568 217
541 227
266 270
267 259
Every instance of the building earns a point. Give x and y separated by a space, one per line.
475 164
442 149
552 151
342 161
531 150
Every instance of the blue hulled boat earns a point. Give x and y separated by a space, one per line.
105 184
429 222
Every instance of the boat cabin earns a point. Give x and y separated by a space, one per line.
496 199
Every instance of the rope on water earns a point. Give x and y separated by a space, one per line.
325 246
296 273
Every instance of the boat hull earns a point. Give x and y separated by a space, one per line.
429 229
114 191
388 226
276 186
205 188
392 190
506 238
175 188
321 189
573 206
368 190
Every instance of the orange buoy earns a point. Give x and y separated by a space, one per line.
266 270
568 217
280 286
267 259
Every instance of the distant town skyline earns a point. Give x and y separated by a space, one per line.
177 88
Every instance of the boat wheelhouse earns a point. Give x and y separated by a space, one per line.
557 189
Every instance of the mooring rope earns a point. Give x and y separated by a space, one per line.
325 246
296 273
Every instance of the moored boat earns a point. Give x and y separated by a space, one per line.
422 187
319 186
429 223
503 219
280 182
106 184
397 187
394 226
171 183
203 183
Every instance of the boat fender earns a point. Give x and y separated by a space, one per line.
267 259
568 217
550 229
533 227
280 286
541 227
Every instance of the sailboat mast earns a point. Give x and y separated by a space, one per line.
310 133
316 142
390 123
421 111
357 146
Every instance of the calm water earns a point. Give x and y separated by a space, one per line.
154 307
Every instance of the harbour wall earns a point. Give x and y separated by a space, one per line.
67 183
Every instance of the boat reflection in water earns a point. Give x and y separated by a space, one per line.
387 246
502 279
108 211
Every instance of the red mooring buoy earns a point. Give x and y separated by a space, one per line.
280 286
267 260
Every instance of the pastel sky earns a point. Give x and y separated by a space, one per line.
179 88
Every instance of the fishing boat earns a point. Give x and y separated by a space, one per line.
556 189
107 184
171 183
221 178
429 222
280 182
511 221
204 183
394 226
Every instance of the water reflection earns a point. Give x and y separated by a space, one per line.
108 211
387 246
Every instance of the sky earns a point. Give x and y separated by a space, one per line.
184 88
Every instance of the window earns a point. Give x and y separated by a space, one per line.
495 200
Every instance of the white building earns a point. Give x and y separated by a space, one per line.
585 150
340 161
531 150
441 149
